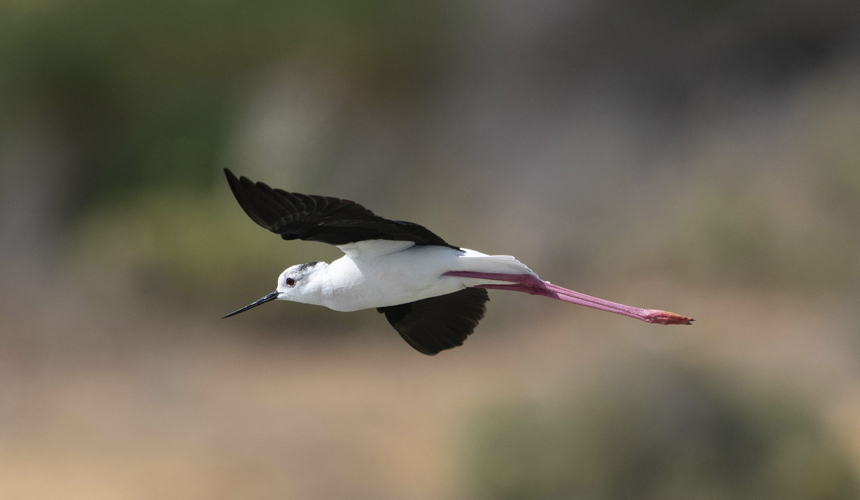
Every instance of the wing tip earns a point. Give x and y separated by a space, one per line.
231 177
233 181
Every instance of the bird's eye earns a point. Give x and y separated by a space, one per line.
290 282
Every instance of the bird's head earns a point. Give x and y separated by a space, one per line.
293 285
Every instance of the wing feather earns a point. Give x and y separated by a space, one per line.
321 218
438 323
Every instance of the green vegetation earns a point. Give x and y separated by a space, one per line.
147 88
658 434
139 104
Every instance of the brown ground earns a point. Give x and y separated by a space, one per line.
90 415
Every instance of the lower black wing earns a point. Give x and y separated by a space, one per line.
438 323
321 218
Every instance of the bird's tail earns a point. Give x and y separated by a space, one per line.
503 264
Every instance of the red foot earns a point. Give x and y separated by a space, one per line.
666 318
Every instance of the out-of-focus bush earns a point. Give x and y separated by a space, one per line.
665 434
120 115
148 89
188 250
146 98
785 214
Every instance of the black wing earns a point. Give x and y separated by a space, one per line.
438 323
321 218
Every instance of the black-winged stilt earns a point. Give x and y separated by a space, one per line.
431 292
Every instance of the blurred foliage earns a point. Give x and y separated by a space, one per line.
148 87
736 234
175 242
171 246
783 215
152 94
659 433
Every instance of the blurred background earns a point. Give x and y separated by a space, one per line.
701 157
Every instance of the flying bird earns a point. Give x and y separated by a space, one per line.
433 293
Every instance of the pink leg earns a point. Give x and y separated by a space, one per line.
535 286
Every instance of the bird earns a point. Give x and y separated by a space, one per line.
432 293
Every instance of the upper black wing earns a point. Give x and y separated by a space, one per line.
321 218
438 323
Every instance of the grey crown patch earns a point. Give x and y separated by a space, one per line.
305 267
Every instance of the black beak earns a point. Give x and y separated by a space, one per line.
267 298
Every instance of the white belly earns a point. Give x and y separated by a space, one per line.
369 281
